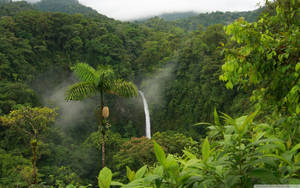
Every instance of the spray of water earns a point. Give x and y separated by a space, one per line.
147 115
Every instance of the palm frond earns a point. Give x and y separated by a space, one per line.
84 72
123 88
104 75
81 90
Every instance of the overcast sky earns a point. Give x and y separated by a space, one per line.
130 9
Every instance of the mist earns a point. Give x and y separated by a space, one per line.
153 87
133 9
127 10
70 112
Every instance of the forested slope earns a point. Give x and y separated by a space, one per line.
176 63
192 21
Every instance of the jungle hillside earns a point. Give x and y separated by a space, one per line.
177 100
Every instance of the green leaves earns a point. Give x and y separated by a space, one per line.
130 174
265 175
266 53
84 72
159 153
244 154
94 81
104 178
216 118
80 91
141 172
205 150
123 88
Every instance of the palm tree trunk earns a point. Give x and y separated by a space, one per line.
103 149
102 129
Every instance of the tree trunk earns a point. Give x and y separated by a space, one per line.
102 128
34 159
103 149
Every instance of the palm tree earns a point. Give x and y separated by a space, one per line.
98 82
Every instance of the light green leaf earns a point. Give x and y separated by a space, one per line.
159 153
297 67
172 167
115 183
104 178
249 120
202 123
189 154
295 148
216 117
205 150
130 174
141 172
159 170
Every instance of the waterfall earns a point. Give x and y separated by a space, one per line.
147 115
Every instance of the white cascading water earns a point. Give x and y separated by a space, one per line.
147 116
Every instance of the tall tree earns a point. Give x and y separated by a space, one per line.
31 122
101 81
266 56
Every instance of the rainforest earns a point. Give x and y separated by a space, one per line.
179 100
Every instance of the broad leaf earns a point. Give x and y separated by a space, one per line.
295 148
104 178
130 174
159 153
141 172
205 150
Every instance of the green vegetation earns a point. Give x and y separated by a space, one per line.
66 6
190 21
30 123
99 81
192 69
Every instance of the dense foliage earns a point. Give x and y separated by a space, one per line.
180 65
190 21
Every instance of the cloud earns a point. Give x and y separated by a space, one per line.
130 9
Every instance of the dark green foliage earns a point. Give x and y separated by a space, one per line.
38 49
174 142
190 21
134 153
207 19
14 94
13 8
266 56
66 6
15 170
177 15
139 151
196 88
